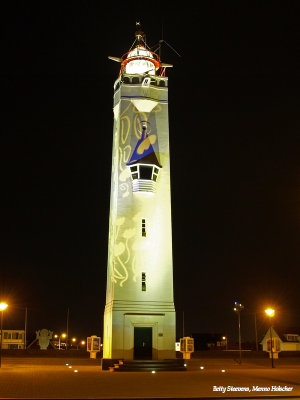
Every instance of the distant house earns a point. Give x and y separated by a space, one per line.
13 339
288 341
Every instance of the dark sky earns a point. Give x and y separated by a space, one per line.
235 171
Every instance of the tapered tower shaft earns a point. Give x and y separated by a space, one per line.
139 318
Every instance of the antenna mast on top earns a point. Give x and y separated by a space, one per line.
140 37
139 34
161 41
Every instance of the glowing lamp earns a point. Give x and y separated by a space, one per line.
270 312
3 306
140 61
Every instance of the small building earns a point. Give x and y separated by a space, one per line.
13 339
282 340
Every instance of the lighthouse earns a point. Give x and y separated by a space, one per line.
139 316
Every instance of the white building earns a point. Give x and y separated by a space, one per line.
13 339
139 317
281 341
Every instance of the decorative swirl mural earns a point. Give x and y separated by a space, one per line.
122 253
122 238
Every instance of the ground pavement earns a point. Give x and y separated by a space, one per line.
52 378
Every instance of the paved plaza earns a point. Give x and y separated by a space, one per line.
40 378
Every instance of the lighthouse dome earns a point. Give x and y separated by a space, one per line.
140 51
139 61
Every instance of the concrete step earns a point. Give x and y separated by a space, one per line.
149 365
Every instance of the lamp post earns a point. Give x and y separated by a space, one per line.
74 341
68 315
3 307
224 338
270 313
238 307
255 327
63 335
25 330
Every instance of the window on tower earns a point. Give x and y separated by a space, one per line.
145 172
134 172
155 173
144 227
143 281
144 177
135 80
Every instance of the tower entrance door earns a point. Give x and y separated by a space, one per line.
142 343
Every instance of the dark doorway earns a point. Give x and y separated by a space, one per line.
142 343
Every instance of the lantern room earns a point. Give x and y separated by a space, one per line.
140 59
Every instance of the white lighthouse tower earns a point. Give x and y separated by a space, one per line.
139 317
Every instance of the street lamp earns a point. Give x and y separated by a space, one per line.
270 313
238 307
63 335
74 341
3 306
224 338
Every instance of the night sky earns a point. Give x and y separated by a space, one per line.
235 171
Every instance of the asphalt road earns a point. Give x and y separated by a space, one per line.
51 378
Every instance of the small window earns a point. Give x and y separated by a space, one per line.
292 338
146 81
155 173
162 83
145 172
135 176
135 79
143 281
134 168
144 227
126 79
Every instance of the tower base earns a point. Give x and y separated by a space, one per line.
147 334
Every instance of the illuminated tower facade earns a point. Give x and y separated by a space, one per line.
139 317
